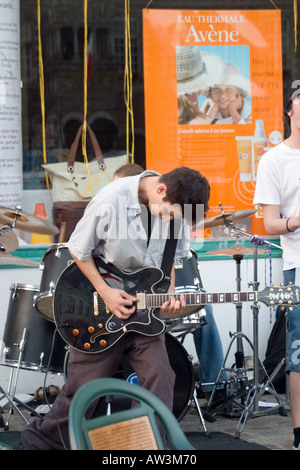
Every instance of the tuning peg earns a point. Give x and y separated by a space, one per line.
291 309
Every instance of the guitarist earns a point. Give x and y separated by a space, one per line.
126 224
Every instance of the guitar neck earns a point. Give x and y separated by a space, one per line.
201 298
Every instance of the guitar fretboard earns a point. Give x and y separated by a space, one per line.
201 298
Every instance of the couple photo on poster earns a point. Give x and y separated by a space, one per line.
213 85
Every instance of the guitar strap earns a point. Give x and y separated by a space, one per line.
169 253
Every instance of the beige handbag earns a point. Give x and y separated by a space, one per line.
73 181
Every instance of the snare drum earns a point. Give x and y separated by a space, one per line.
54 261
28 337
188 324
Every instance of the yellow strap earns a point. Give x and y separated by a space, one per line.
274 4
128 82
295 23
42 89
84 152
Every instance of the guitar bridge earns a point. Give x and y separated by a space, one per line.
141 301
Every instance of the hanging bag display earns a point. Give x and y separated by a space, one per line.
71 190
77 181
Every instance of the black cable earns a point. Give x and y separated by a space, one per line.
45 391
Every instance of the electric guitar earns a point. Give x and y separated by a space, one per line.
85 323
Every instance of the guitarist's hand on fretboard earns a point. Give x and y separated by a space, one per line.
174 306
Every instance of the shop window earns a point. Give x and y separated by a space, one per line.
67 42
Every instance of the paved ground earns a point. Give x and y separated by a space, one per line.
274 431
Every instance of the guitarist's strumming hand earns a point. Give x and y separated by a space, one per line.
118 302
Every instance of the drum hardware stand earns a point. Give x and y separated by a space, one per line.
258 389
238 375
11 397
194 401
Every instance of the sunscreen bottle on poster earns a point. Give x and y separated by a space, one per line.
244 151
259 143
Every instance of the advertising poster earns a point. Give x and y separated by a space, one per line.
11 162
213 96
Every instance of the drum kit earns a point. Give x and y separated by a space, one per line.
27 334
26 340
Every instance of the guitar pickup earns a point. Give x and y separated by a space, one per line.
141 301
96 307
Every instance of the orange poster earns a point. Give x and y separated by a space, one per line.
213 96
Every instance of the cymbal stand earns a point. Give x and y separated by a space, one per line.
11 397
257 389
238 373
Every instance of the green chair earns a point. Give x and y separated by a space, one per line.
130 429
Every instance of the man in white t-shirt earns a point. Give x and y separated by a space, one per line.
278 193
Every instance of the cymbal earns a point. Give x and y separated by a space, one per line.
235 250
10 259
230 216
8 241
27 222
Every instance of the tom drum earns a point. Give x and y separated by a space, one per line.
54 261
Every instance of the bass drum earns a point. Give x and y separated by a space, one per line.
26 331
182 366
54 261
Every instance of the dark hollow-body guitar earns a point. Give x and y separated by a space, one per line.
86 324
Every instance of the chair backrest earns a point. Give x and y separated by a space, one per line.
130 429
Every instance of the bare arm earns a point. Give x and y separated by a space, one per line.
274 224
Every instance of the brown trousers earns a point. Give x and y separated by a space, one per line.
147 356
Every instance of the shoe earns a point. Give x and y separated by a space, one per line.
296 447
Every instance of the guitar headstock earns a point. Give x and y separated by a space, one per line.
288 296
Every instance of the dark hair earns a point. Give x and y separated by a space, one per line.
129 169
186 186
291 93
